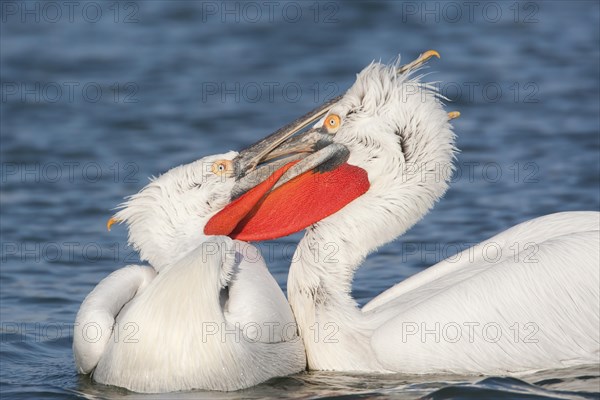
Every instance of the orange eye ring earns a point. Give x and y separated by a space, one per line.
222 167
332 123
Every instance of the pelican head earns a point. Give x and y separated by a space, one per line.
165 220
394 125
396 129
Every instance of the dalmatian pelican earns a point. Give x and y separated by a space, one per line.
204 314
380 156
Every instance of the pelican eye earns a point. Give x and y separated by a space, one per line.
332 123
222 167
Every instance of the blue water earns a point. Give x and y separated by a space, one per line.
98 96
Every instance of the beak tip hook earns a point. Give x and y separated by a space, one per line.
453 115
111 222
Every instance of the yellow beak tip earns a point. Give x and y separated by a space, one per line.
431 53
110 223
453 114
419 61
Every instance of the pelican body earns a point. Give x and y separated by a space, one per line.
205 314
386 147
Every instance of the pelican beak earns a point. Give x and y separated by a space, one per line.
285 183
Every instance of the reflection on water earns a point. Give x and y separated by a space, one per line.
94 104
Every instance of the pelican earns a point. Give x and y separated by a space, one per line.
386 147
206 313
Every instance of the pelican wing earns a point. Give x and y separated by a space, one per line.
98 312
520 241
525 298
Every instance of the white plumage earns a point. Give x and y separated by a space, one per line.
205 315
546 312
208 315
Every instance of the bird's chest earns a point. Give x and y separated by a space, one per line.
173 302
168 321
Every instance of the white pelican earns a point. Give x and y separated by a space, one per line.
387 143
205 315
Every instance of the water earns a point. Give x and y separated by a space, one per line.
97 99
